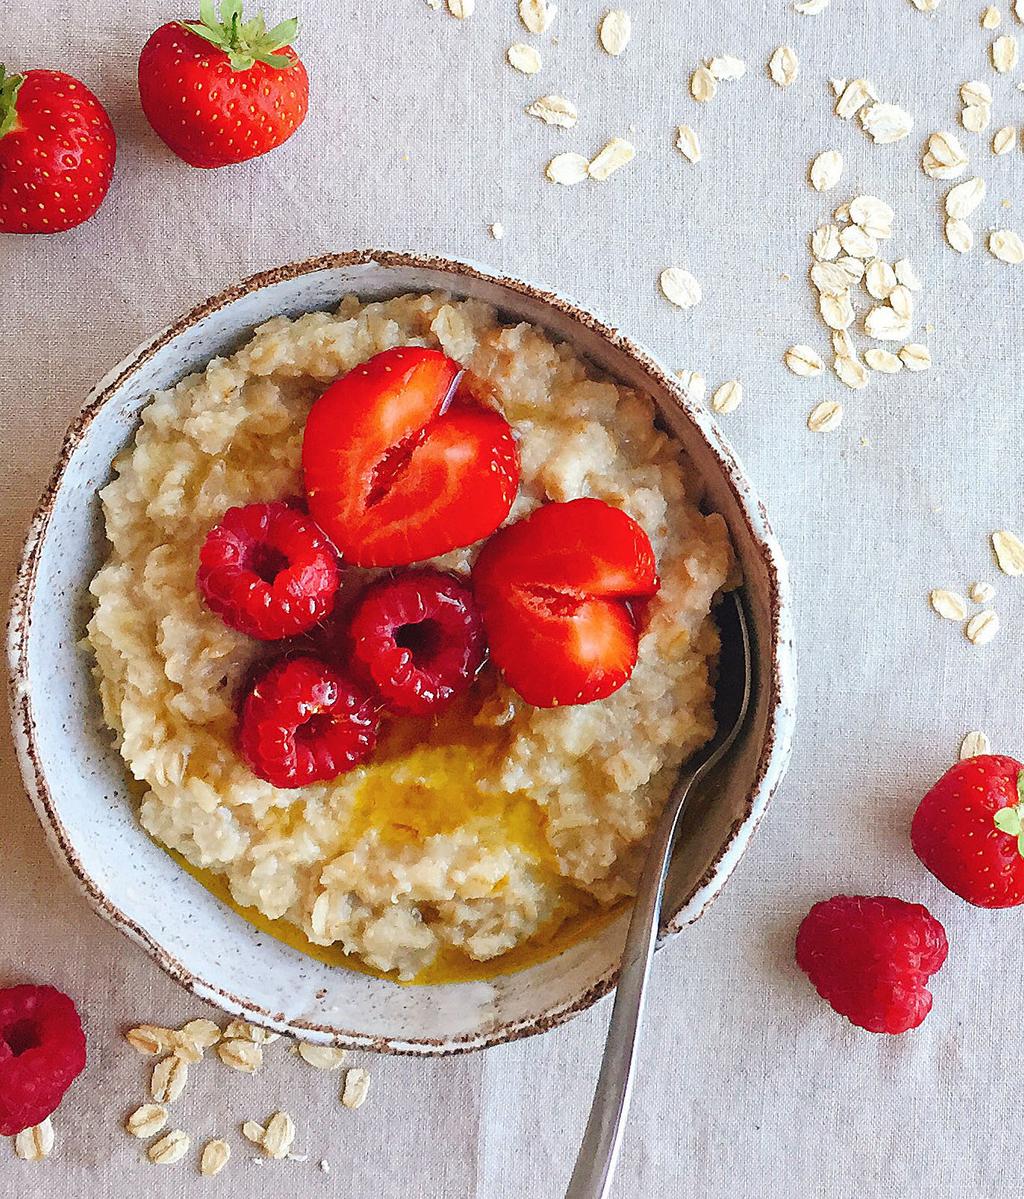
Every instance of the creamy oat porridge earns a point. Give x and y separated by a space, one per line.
504 821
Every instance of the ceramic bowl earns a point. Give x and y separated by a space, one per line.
78 782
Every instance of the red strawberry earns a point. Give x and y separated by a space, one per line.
57 151
554 591
220 91
969 831
870 958
399 468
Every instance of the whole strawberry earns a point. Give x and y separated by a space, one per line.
57 151
969 831
223 90
870 958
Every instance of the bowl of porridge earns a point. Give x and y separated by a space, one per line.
468 881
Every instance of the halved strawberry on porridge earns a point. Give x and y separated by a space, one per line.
406 630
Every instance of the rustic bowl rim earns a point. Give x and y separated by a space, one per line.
772 760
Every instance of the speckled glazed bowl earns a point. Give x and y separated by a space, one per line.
78 782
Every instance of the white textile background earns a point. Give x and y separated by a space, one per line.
749 1085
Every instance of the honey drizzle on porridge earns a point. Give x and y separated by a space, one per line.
424 779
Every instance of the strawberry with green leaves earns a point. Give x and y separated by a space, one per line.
57 152
222 90
969 831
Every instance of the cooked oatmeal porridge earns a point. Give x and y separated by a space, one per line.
503 821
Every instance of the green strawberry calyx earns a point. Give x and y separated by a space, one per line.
1011 819
244 42
9 86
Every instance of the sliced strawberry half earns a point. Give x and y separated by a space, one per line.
399 467
555 592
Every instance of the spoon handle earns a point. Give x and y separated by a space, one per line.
599 1151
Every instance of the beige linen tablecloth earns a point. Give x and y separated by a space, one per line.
749 1086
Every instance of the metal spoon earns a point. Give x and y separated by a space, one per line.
599 1152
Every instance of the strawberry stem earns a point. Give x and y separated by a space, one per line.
9 86
244 42
1010 820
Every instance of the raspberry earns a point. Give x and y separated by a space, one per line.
420 638
870 959
268 570
42 1051
303 722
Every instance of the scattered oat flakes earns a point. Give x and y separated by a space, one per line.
35 1143
728 397
883 361
610 158
679 287
838 86
203 1033
1005 54
688 143
826 170
944 157
146 1121
169 1077
981 593
963 199
886 123
880 279
858 243
170 1148
497 230
1007 246
982 628
1004 140
324 1057
614 31
916 356
825 417
783 66
842 214
973 745
703 85
215 1157
536 15
803 361
523 58
836 311
1009 552
842 344
810 8
976 118
885 324
959 235
852 96
727 67
245 1056
991 17
926 5
553 110
853 268
825 245
279 1135
357 1083
830 278
851 372
253 1132
245 1031
906 274
977 92
902 302
567 169
461 8
948 604
873 215
151 1038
